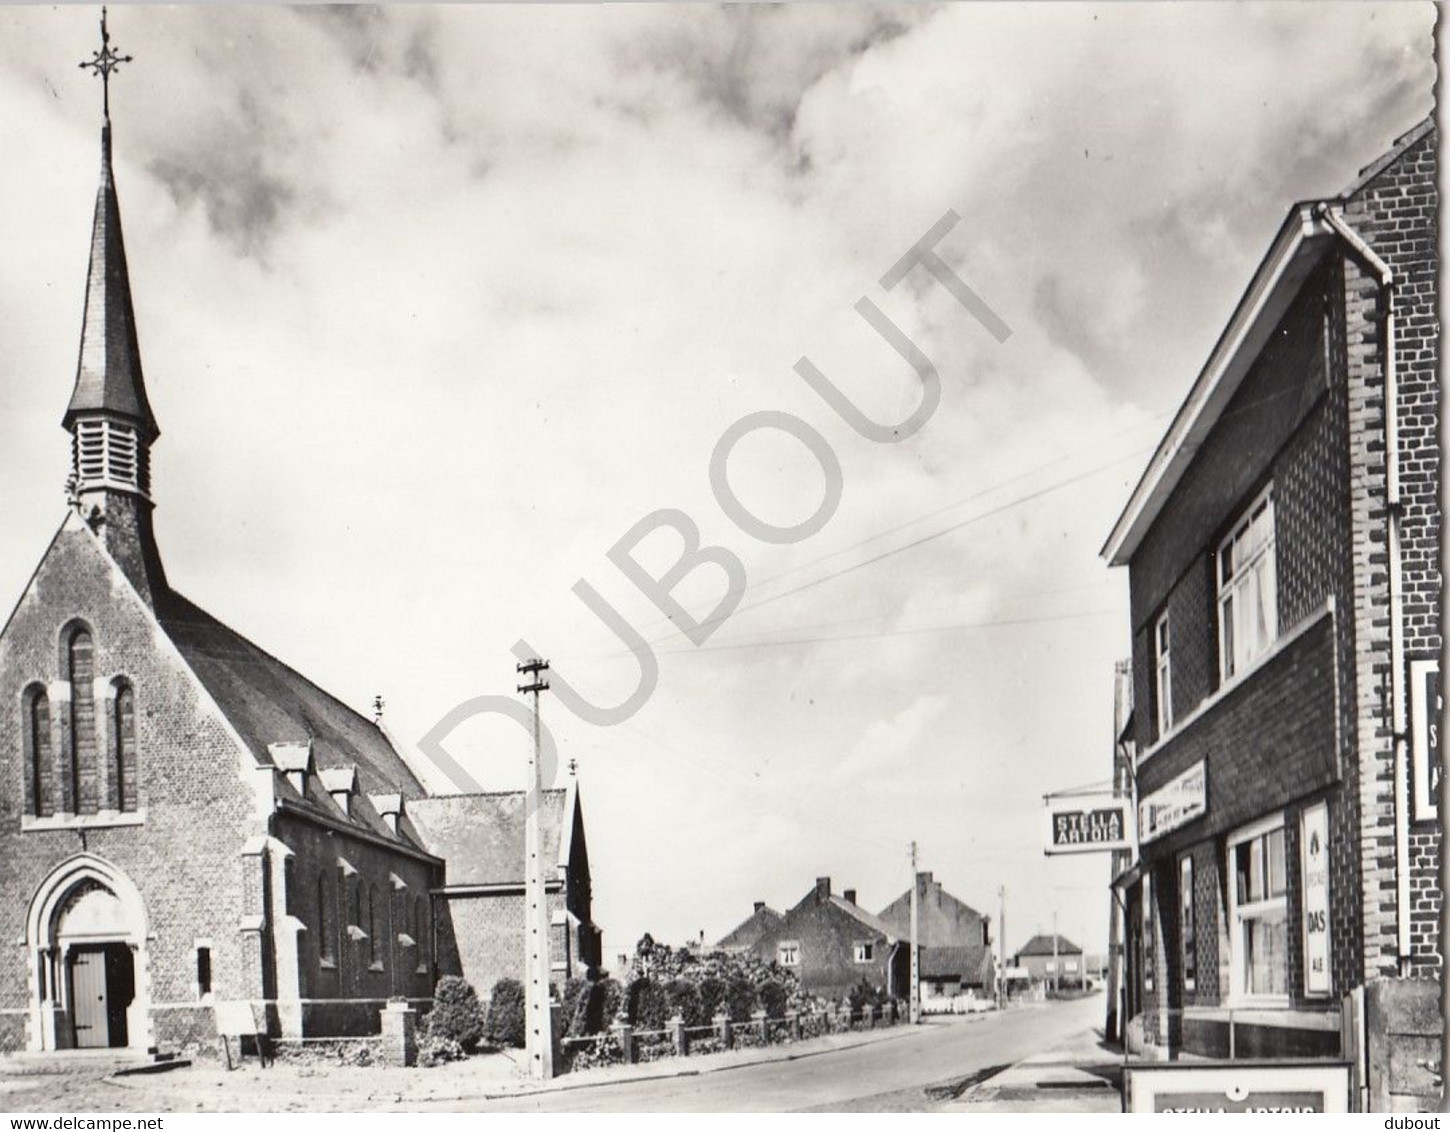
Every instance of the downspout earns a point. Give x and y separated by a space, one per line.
1334 217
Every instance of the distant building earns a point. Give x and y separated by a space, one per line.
832 944
1061 966
954 938
762 920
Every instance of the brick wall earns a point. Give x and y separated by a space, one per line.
198 809
1395 213
481 938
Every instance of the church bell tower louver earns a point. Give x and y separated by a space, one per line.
109 418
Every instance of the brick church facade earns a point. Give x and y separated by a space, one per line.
185 821
1283 558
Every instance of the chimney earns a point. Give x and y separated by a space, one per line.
759 905
823 889
849 896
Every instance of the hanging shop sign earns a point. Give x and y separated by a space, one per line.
1088 823
1235 1088
1314 854
1426 707
1175 803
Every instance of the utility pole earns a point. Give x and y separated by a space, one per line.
1001 946
538 1014
915 1009
1056 977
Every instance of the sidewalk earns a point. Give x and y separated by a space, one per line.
285 1087
1081 1075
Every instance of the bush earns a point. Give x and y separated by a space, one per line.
684 999
649 1006
439 1051
610 1002
456 1015
774 998
506 1025
739 998
712 998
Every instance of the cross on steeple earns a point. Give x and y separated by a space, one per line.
102 63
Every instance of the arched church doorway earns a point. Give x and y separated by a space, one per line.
87 931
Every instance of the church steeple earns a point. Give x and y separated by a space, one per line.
109 418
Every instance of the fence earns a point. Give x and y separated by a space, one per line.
623 1044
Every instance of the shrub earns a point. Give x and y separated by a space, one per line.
649 1007
439 1051
712 997
774 998
609 1002
456 1014
739 998
506 1014
684 1000
575 1005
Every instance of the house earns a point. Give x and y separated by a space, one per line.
479 907
832 944
1055 960
760 921
1282 550
954 939
188 823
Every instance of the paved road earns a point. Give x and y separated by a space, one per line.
888 1076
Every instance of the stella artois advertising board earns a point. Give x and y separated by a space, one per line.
1088 823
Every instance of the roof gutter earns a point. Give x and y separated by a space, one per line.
1333 216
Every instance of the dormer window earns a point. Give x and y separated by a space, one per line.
295 761
389 807
341 783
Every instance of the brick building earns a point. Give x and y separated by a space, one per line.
954 939
833 944
1056 961
761 920
479 909
1283 558
185 821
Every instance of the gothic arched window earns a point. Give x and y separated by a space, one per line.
373 926
37 753
421 933
124 767
80 670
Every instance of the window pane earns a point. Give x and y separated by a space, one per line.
1227 616
1274 851
1266 966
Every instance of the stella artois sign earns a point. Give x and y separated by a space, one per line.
1088 823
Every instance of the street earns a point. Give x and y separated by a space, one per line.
890 1076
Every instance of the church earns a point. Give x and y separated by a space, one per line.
186 821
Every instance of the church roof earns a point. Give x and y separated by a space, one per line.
481 836
108 374
268 702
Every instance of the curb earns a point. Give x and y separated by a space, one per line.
563 1085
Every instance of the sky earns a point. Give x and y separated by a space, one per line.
437 303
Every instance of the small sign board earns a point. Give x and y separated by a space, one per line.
1314 871
1088 823
1175 803
1426 707
1264 1087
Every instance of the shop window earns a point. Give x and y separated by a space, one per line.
864 952
1248 614
1186 936
788 953
1258 912
1163 684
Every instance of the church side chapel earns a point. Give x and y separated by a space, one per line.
187 824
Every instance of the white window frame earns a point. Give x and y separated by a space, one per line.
788 953
864 951
1163 669
1240 914
1230 665
1187 918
